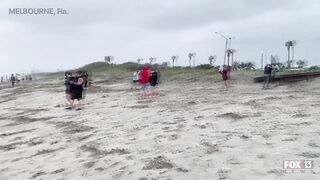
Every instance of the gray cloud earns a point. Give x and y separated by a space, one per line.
129 29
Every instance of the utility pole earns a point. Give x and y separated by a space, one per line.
233 51
228 42
225 52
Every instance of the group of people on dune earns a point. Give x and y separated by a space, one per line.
146 79
76 84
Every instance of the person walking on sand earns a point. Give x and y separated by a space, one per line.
154 80
12 80
144 80
225 75
67 79
76 91
267 76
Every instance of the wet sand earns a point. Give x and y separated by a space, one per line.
194 130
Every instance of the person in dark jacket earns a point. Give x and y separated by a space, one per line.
76 90
267 76
13 80
154 80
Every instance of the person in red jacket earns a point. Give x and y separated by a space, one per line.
144 80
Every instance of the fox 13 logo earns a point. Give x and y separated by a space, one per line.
298 164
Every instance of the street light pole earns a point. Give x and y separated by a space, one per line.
226 46
230 42
225 52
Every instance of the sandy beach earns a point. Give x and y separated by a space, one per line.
193 130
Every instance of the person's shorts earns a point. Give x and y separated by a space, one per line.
144 86
76 95
135 81
153 84
225 78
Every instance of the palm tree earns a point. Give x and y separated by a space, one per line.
139 60
212 59
192 55
108 59
174 59
194 59
190 58
152 59
301 63
230 52
290 45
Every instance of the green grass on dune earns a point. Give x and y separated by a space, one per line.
166 75
124 72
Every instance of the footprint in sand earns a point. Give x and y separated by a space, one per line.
261 156
309 155
210 148
313 145
89 165
173 137
278 172
223 174
58 171
159 162
40 173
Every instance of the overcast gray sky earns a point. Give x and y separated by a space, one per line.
130 29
